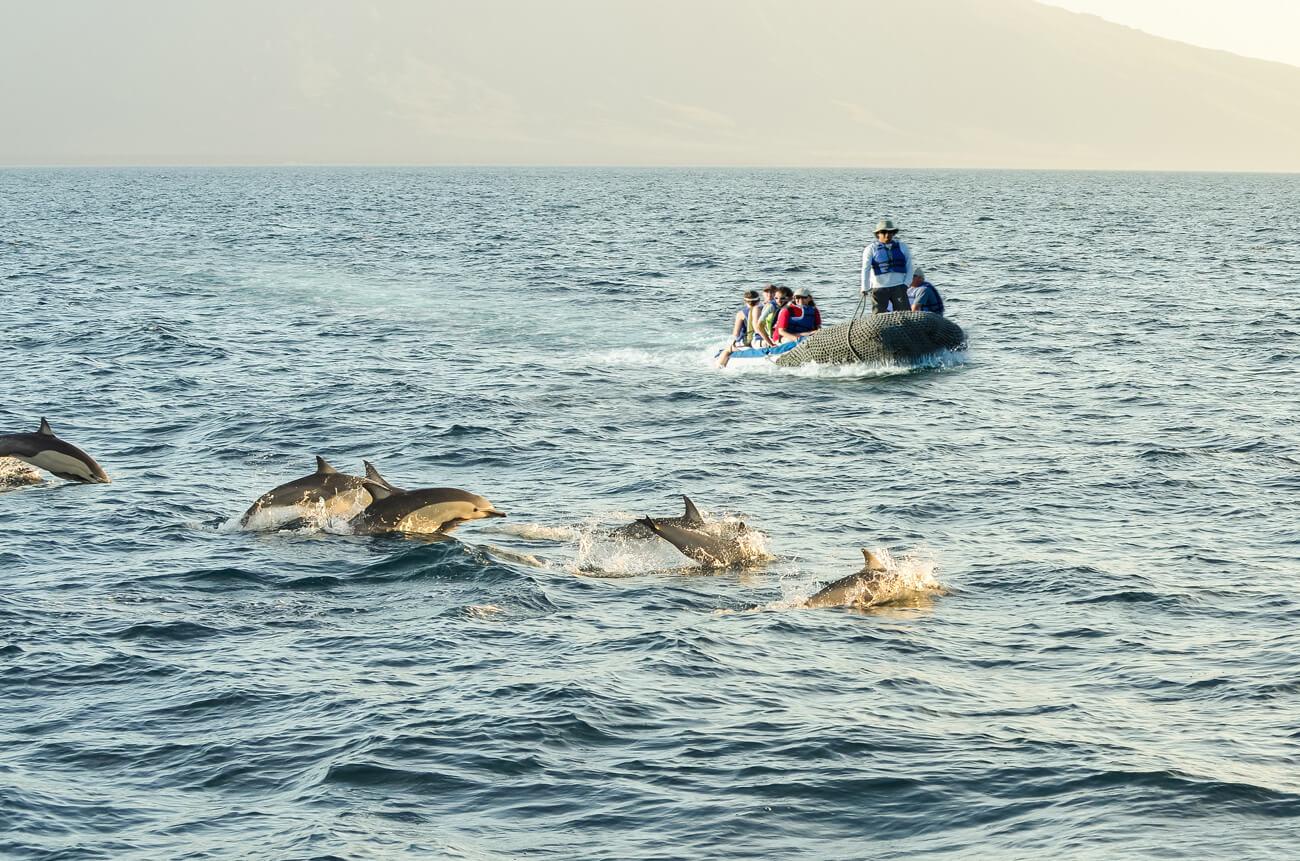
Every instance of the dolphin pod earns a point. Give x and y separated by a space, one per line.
372 505
58 457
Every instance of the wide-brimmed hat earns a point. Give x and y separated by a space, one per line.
886 225
918 272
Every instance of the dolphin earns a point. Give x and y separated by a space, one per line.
58 457
326 491
714 551
859 589
691 519
423 510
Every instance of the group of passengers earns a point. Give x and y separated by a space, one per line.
782 315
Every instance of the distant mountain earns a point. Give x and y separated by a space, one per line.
988 83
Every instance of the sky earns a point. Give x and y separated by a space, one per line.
1266 29
816 83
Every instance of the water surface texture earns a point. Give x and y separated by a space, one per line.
1105 485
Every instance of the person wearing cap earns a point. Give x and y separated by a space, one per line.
800 319
886 269
765 319
922 295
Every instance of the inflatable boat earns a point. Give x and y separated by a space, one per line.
896 338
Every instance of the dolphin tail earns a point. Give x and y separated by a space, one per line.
692 516
322 467
45 428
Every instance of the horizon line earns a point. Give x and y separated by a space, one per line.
620 166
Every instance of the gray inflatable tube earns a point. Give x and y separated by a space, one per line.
899 337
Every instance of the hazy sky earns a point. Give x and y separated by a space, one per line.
1268 29
862 83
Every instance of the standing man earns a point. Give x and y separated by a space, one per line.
886 270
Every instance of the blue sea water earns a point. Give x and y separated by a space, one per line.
1102 495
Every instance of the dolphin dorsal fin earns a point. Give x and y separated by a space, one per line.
323 467
45 427
376 490
692 515
871 561
649 522
372 474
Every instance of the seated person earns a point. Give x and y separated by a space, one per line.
765 317
741 331
800 319
922 294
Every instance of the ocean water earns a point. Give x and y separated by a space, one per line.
1096 504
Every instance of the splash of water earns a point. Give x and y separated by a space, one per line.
942 359
15 473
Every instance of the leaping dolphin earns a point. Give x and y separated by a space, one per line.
714 551
58 457
424 510
860 589
325 492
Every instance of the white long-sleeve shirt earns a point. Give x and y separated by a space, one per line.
871 281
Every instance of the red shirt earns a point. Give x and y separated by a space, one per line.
783 319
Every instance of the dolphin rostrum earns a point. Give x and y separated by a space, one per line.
58 457
715 551
860 589
326 492
424 510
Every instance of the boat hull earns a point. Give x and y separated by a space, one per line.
899 337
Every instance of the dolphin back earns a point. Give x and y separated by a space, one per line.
340 494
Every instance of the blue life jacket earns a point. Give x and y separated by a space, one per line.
928 296
805 322
743 337
888 257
